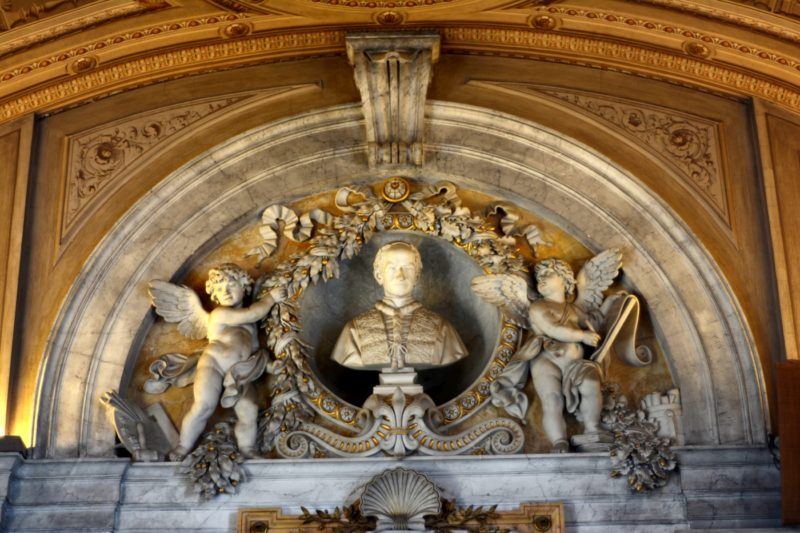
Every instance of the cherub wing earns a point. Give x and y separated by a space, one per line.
508 292
595 277
177 303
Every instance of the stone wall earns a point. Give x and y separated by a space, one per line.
721 487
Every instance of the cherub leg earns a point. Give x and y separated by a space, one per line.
591 406
207 388
246 410
547 381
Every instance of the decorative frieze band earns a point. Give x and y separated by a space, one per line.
676 66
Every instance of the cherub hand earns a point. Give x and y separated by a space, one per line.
591 338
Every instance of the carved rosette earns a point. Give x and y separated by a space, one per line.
96 158
688 143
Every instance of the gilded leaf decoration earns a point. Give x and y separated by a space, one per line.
12 16
690 144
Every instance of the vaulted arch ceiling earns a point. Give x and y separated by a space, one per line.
52 56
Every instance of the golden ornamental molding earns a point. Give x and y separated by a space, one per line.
675 67
675 30
364 4
93 78
544 18
10 17
716 11
783 7
173 63
118 39
21 34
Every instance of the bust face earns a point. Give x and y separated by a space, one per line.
398 272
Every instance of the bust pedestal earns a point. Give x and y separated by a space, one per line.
404 379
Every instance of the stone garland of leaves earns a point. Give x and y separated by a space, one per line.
215 466
470 518
637 452
349 519
436 210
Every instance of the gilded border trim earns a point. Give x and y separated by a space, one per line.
611 55
676 67
102 80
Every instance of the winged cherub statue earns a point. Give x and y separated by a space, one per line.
231 358
561 330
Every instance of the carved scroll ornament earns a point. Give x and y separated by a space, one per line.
96 158
392 73
689 143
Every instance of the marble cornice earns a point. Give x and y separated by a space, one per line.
649 41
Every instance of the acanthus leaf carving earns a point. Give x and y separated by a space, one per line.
639 453
97 157
689 144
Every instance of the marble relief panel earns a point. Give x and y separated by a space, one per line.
163 337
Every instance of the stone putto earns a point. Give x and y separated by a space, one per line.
231 358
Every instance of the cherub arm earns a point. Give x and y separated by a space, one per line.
586 320
541 320
249 315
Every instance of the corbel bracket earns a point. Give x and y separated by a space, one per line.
392 72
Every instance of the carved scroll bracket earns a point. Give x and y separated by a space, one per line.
392 72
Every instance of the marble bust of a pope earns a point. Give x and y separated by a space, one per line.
398 332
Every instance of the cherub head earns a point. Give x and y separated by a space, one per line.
228 284
396 268
554 276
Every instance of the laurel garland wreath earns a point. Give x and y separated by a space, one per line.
435 210
492 239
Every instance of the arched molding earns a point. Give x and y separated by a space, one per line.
688 44
106 313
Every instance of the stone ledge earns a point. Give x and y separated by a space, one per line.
151 497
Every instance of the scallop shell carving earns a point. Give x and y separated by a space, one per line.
400 499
